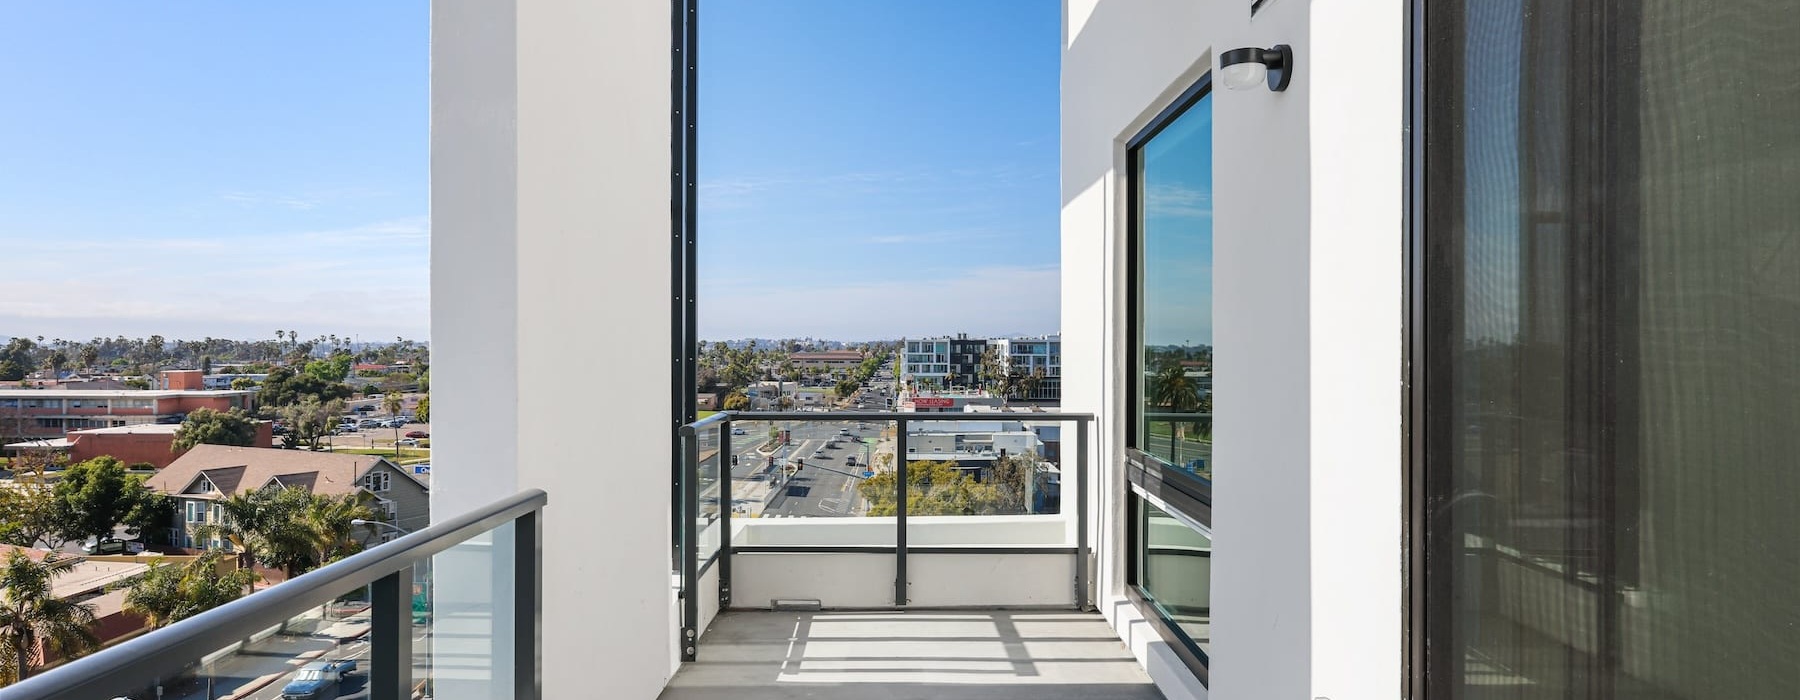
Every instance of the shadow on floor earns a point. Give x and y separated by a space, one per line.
954 655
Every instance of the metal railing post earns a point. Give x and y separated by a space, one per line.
900 490
528 607
390 647
690 544
727 496
1081 514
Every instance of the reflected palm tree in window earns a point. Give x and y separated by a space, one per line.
1173 391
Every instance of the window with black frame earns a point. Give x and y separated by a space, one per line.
1170 464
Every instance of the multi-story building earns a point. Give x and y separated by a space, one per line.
925 361
1503 315
207 474
38 413
1038 357
827 359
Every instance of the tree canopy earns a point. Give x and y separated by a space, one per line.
34 620
169 593
97 495
940 488
206 426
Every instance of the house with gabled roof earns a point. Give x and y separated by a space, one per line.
208 474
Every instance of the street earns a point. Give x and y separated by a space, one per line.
826 486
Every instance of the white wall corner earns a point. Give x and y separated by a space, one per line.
1358 75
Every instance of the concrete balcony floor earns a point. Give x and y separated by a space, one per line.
923 654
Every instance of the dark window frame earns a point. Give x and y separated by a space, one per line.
1180 492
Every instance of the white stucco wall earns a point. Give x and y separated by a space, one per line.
550 191
1306 581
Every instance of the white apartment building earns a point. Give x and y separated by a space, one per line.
1499 298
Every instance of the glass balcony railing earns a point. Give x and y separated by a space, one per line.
914 494
371 625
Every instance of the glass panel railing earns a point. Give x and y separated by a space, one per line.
1181 441
373 624
1004 468
461 617
813 469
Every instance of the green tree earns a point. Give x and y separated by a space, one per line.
933 488
328 519
11 371
169 593
737 400
393 402
268 527
90 356
56 362
422 411
98 495
33 618
206 426
283 387
242 383
30 513
310 420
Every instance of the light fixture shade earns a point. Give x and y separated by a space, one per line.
1241 68
1241 76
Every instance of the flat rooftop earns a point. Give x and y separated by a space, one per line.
117 393
140 429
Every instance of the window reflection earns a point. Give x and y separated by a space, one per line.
1612 312
1174 209
1175 573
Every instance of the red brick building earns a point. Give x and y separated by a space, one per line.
134 444
49 413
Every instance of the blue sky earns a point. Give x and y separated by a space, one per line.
214 167
1178 232
878 169
226 168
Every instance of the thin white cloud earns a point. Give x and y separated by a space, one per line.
261 199
370 278
1177 200
987 300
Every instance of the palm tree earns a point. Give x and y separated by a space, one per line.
392 402
1171 388
266 526
173 592
34 622
329 520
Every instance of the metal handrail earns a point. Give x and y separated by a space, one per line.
898 415
129 666
692 566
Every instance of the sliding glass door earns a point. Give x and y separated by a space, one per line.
1611 349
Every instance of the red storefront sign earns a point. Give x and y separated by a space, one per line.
932 402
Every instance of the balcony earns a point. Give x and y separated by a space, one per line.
823 584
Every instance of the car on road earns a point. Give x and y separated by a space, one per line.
417 434
113 545
318 680
843 431
739 431
408 442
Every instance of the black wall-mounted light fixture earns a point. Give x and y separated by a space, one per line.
1242 68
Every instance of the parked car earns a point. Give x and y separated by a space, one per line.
370 408
738 431
370 424
113 545
417 434
408 442
346 428
318 680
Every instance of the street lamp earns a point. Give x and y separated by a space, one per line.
397 528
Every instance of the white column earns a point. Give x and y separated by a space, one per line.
550 271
